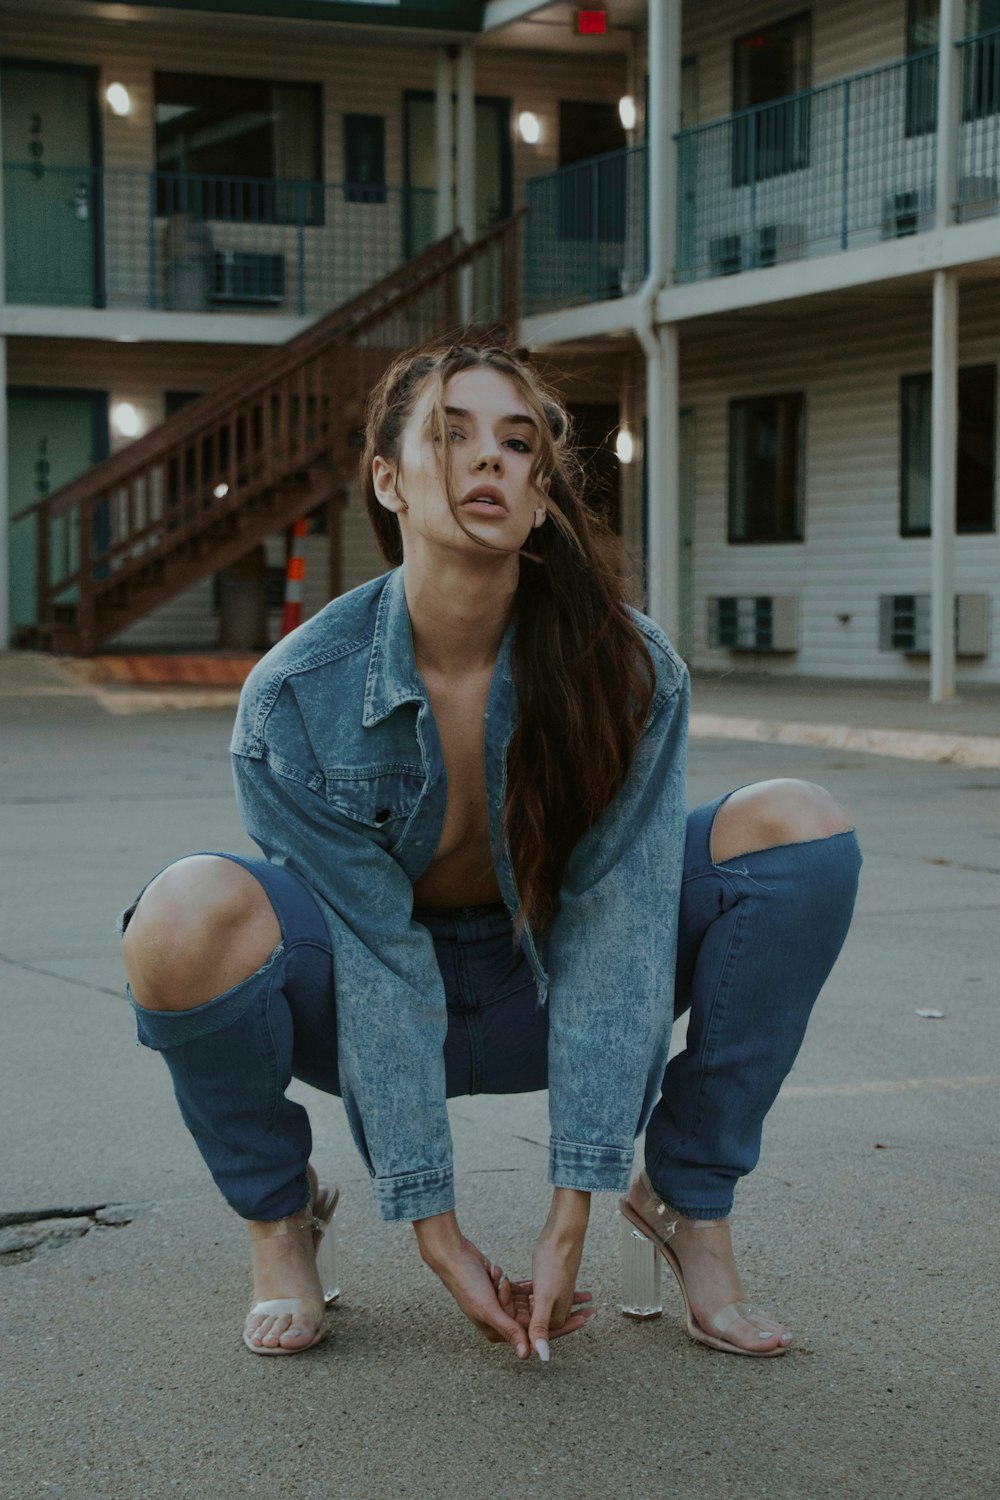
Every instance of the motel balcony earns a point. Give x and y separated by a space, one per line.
835 168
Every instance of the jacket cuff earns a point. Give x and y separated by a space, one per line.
590 1169
415 1195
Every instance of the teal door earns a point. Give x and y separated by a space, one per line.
53 437
686 456
493 168
51 193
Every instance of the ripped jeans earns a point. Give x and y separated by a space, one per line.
757 937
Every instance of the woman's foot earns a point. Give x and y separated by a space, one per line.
704 1251
287 1315
700 1254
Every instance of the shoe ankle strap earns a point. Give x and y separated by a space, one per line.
294 1224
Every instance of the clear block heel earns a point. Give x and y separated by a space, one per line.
326 1257
641 1297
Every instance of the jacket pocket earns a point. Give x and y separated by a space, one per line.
381 799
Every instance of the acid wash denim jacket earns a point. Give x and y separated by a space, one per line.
340 776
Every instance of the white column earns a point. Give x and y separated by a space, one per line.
663 487
465 126
4 495
466 133
944 445
444 144
663 531
4 456
949 92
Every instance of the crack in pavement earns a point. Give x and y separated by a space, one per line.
84 984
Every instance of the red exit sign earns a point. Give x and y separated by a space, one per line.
591 22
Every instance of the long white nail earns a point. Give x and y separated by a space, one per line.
542 1350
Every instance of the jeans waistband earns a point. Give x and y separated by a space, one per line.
464 924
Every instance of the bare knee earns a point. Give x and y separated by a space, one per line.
200 927
784 811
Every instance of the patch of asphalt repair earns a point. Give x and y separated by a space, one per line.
24 1233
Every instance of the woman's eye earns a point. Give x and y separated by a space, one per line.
455 436
522 446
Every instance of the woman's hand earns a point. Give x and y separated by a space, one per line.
557 1308
485 1295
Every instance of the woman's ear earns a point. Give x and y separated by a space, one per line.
384 483
540 514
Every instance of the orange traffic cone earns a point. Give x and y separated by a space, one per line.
294 578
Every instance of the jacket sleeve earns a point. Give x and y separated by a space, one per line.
391 1014
611 957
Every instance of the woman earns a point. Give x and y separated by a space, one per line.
467 781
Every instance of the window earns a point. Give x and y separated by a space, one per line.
364 158
593 196
981 61
251 145
770 63
975 475
921 67
766 464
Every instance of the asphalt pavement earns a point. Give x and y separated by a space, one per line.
870 1224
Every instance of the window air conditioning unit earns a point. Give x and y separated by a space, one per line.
977 197
779 242
904 624
761 622
903 213
246 278
726 254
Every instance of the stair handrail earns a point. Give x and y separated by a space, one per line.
204 417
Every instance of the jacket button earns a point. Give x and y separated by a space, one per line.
383 815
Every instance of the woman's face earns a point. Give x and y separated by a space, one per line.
492 443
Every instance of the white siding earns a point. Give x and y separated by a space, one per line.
847 37
848 366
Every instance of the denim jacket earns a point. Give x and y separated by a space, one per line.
340 776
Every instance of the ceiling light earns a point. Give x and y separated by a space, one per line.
624 446
627 112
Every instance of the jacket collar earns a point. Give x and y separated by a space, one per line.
392 669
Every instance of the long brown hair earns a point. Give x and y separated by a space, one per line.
582 671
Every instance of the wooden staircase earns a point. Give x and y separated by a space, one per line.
251 457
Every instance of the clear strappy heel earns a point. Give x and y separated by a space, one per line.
647 1224
317 1219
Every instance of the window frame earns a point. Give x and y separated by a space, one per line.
251 198
745 404
922 380
356 191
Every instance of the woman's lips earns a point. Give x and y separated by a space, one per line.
485 502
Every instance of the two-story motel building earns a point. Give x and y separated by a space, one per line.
761 256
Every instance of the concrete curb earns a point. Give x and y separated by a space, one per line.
971 750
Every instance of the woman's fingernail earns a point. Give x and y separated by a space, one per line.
786 1338
503 1282
542 1350
522 1350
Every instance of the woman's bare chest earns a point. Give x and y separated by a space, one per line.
459 712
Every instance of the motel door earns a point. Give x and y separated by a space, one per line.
686 459
51 190
493 168
53 437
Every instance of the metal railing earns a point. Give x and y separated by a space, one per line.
979 141
88 237
847 164
837 167
586 238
